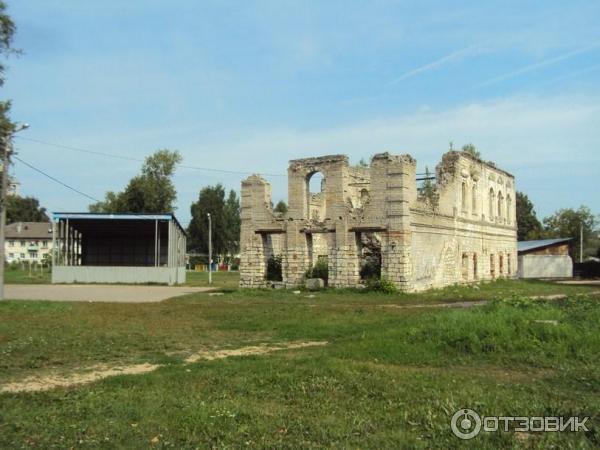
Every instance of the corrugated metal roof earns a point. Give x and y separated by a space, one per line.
525 246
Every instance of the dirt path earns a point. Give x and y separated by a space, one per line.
437 305
97 292
461 304
96 373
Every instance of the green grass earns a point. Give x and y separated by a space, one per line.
389 378
20 276
227 280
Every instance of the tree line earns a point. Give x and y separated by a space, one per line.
564 223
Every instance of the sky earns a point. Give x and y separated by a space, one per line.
246 86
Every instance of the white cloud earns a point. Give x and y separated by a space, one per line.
452 57
538 65
525 135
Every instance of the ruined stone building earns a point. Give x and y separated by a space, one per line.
460 228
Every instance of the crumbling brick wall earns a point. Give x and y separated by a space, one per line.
462 230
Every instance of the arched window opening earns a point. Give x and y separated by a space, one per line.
316 183
315 195
508 209
501 264
500 205
464 197
364 197
475 275
474 198
492 200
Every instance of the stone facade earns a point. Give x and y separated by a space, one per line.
460 229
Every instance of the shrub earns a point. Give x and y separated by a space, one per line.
320 270
381 285
370 270
274 268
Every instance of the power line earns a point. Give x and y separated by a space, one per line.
66 185
131 158
77 149
54 179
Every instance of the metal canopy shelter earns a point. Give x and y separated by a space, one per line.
130 248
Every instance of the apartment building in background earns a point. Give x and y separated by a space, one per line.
28 241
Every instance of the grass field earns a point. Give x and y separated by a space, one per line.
20 276
225 280
390 376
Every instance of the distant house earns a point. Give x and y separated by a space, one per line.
28 241
546 258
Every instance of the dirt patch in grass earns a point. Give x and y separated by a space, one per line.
91 374
437 305
261 349
99 372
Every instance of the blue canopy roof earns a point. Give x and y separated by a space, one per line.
118 216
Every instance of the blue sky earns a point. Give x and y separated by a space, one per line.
248 85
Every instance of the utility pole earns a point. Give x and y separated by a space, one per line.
6 144
581 242
209 249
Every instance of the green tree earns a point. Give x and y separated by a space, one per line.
567 223
7 33
225 215
233 222
428 189
281 207
24 209
528 225
471 150
150 192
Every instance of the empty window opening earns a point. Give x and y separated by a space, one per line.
500 205
492 200
315 196
273 260
310 249
369 254
464 196
501 264
364 197
475 276
465 266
